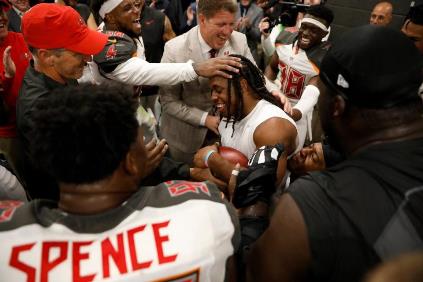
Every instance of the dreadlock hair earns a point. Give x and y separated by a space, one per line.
257 82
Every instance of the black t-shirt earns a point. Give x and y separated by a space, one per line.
349 207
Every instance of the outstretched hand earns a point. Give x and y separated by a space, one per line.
218 66
9 65
155 154
284 101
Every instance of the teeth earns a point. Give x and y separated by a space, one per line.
220 106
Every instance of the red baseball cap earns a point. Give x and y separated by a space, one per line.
54 26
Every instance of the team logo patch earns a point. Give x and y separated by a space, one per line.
115 34
177 188
191 276
7 209
111 52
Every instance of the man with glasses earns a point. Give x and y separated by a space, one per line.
61 45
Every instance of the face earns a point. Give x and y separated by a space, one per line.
310 158
4 21
126 17
219 96
21 5
216 30
381 14
68 64
415 33
310 35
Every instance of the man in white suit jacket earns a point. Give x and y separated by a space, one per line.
187 107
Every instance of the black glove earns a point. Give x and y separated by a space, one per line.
258 181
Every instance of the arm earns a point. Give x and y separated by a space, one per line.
254 31
273 131
272 69
172 100
307 101
281 258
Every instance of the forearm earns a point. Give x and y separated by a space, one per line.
220 167
308 99
136 71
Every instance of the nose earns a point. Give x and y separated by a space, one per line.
304 152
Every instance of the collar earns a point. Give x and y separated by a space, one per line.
19 13
205 48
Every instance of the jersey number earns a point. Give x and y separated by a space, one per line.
292 81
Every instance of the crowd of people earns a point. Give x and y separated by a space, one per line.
113 114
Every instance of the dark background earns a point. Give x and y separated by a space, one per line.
351 13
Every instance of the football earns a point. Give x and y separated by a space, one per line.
233 155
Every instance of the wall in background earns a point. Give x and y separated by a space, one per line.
351 13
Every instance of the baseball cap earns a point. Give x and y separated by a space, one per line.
54 26
373 67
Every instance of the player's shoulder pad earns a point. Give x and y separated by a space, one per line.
119 48
317 53
177 191
286 37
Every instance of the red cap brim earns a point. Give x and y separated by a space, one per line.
92 44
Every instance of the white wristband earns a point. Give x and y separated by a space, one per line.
308 99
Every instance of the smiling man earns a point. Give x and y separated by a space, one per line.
251 118
187 108
61 45
297 58
123 58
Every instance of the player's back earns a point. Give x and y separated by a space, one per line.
177 231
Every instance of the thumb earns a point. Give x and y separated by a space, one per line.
232 180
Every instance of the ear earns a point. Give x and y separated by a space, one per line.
338 106
109 18
201 19
244 85
46 57
130 163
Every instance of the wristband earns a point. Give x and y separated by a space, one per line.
207 156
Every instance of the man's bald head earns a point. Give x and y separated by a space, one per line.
381 14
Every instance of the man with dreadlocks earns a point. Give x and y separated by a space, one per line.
251 118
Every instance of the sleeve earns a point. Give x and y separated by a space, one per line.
254 31
171 97
118 61
308 99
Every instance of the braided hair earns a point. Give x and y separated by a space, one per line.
255 79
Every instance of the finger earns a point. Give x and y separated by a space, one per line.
232 180
7 51
150 145
222 74
157 158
